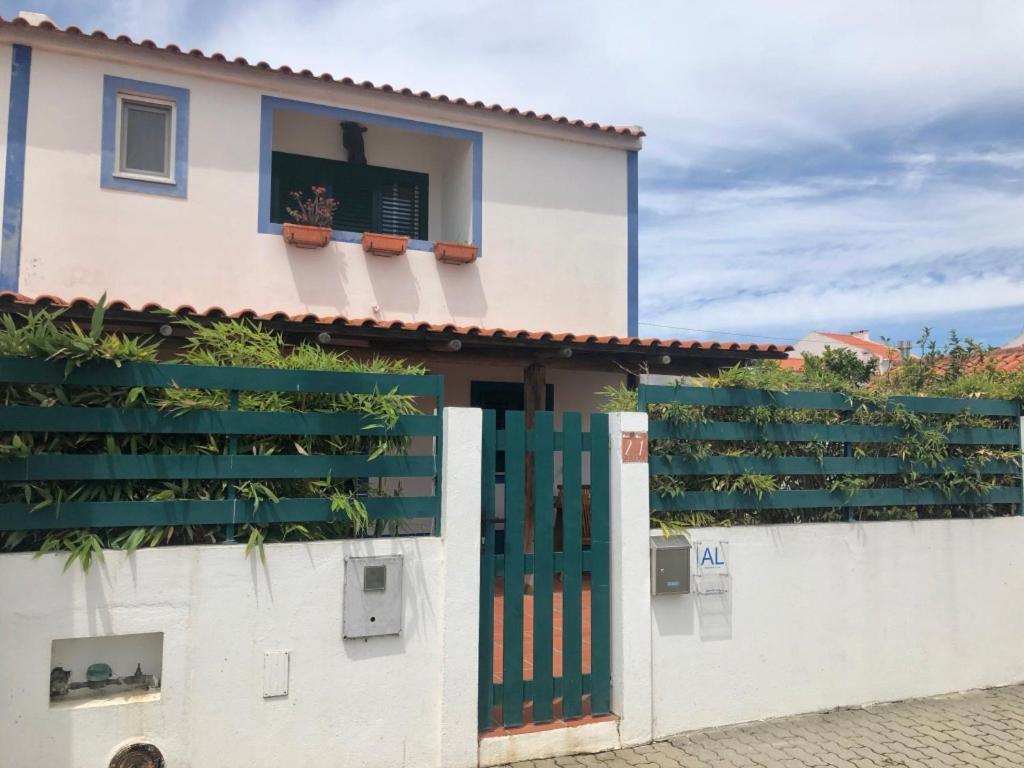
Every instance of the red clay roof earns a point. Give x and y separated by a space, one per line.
875 347
10 301
220 58
792 363
1007 359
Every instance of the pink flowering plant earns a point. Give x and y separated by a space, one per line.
315 210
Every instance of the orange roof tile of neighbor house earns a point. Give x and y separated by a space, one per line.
16 302
1007 359
41 22
875 347
792 363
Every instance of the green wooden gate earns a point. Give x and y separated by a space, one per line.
535 662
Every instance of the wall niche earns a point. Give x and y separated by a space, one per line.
113 669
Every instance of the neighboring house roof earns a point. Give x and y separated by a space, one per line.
874 347
1006 359
792 363
217 59
10 301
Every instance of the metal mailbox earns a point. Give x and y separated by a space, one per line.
670 565
373 596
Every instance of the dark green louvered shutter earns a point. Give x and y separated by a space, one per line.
370 198
354 193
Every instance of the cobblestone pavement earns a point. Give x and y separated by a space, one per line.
977 728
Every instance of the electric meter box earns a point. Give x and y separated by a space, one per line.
670 565
373 596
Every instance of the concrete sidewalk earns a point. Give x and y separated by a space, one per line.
978 728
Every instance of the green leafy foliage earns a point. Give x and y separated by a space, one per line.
45 334
958 368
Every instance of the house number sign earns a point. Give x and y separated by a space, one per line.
634 447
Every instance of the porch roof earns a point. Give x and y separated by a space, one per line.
627 354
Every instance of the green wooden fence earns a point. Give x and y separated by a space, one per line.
840 437
505 697
231 423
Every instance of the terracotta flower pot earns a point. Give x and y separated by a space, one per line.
455 253
305 236
384 245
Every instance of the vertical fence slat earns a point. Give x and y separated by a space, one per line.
572 575
485 695
512 624
600 616
543 565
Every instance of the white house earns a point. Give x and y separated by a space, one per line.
858 342
160 177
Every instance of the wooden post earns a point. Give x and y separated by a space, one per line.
534 399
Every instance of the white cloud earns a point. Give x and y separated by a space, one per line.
751 90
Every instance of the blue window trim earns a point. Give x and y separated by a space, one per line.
14 171
633 242
112 86
270 103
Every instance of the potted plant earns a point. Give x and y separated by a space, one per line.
455 253
312 217
384 245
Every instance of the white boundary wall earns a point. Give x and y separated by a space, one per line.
828 615
407 700
817 616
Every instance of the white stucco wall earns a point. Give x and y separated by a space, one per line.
829 615
407 700
554 210
219 613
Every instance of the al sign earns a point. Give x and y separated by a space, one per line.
711 556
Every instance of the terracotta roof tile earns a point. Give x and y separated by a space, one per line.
875 347
219 58
1006 359
10 301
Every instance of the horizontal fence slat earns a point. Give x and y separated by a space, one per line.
26 418
838 433
956 405
693 501
735 397
559 686
724 396
119 514
528 561
807 465
162 375
559 441
121 467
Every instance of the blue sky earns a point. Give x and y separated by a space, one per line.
809 165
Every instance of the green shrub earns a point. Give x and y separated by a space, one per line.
961 369
44 334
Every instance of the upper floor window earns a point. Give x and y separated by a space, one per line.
370 198
389 175
145 137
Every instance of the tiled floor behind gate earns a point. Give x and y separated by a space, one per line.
556 662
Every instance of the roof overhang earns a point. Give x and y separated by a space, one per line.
431 341
39 28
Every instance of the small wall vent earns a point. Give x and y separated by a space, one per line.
137 756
